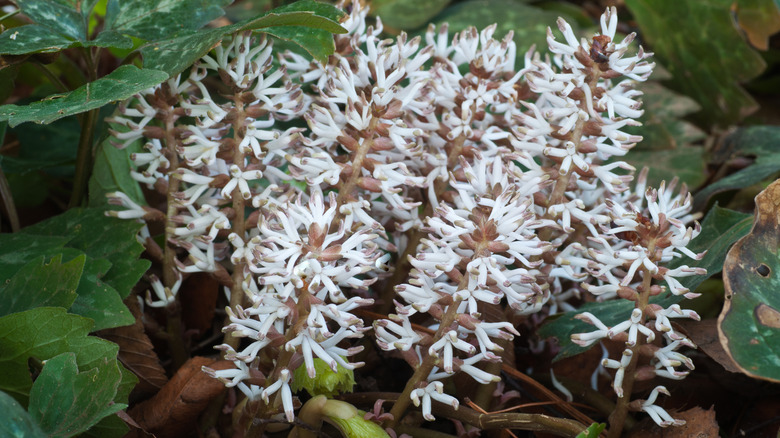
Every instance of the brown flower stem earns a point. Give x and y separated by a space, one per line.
402 267
422 371
617 420
179 354
238 224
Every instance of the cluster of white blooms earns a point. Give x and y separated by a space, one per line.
488 185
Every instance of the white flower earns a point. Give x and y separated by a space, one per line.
434 390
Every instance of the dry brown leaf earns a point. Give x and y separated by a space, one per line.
175 409
705 335
137 353
699 423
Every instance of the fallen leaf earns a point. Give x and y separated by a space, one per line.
199 295
698 423
705 335
137 353
749 324
174 411
759 19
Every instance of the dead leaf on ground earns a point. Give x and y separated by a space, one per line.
175 409
137 353
198 300
705 335
699 423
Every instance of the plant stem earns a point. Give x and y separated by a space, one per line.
618 418
83 158
8 201
9 15
51 77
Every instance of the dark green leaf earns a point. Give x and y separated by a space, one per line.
720 229
154 20
684 162
66 402
15 422
749 324
120 84
51 147
18 249
101 237
98 300
40 284
528 23
32 38
699 44
406 14
57 16
111 173
663 126
43 333
177 54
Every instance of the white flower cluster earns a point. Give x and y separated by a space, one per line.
489 185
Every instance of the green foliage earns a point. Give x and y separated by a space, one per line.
593 430
358 427
749 325
325 382
66 402
754 141
699 44
40 284
15 422
407 14
719 230
112 174
155 20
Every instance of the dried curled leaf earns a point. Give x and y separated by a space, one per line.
749 325
170 413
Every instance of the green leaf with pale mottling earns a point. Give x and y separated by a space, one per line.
154 20
32 38
40 284
407 14
700 46
749 324
15 422
66 402
528 23
309 28
685 162
118 85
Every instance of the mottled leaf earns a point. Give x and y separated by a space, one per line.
749 324
719 230
43 333
528 23
663 126
59 17
154 20
177 54
40 284
32 38
15 422
66 402
699 44
754 141
685 162
407 14
120 84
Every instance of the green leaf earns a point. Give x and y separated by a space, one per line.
18 249
179 53
57 16
66 402
15 422
118 85
43 333
663 126
101 237
749 324
407 14
40 284
99 301
325 381
684 162
32 38
699 44
528 23
154 20
51 147
593 430
111 173
719 230
758 141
